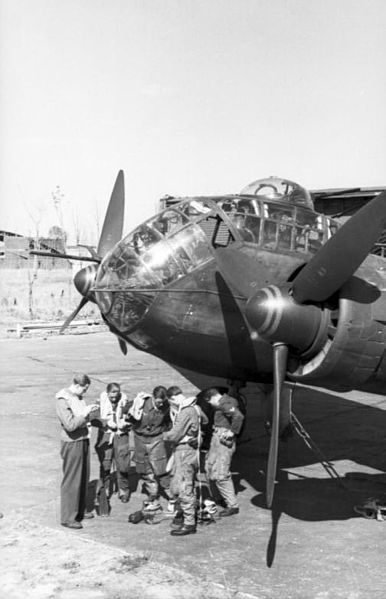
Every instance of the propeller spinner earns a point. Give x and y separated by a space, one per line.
292 317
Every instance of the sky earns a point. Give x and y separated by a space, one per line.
188 97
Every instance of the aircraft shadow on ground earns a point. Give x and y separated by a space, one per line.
350 435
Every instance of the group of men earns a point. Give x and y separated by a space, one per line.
158 437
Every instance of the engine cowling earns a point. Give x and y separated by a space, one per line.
354 347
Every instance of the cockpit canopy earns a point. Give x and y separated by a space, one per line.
184 237
275 188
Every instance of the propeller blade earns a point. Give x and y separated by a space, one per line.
70 318
122 346
65 256
280 355
113 223
343 253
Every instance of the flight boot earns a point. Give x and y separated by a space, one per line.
178 520
124 496
185 529
151 506
229 511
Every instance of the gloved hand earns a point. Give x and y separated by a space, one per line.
226 438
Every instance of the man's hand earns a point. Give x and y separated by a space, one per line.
124 426
92 408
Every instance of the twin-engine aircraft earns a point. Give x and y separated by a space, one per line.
255 286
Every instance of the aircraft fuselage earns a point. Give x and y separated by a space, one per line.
160 290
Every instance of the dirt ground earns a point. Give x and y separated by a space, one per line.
312 544
39 562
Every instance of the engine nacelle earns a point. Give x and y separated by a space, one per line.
353 351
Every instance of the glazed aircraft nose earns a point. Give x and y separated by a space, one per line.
124 288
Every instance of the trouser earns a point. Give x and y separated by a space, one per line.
121 452
73 490
183 474
156 485
151 460
218 470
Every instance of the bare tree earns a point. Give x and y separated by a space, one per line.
56 232
77 227
58 200
97 220
36 217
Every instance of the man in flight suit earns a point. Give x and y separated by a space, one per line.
149 416
184 437
114 445
227 424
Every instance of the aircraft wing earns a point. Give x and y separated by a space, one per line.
343 202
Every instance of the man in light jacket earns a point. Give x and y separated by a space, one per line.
74 415
114 442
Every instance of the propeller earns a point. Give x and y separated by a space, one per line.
113 223
287 315
73 314
122 346
343 253
280 355
111 234
54 254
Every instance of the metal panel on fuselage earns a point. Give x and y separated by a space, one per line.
198 322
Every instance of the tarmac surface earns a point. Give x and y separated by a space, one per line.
311 545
